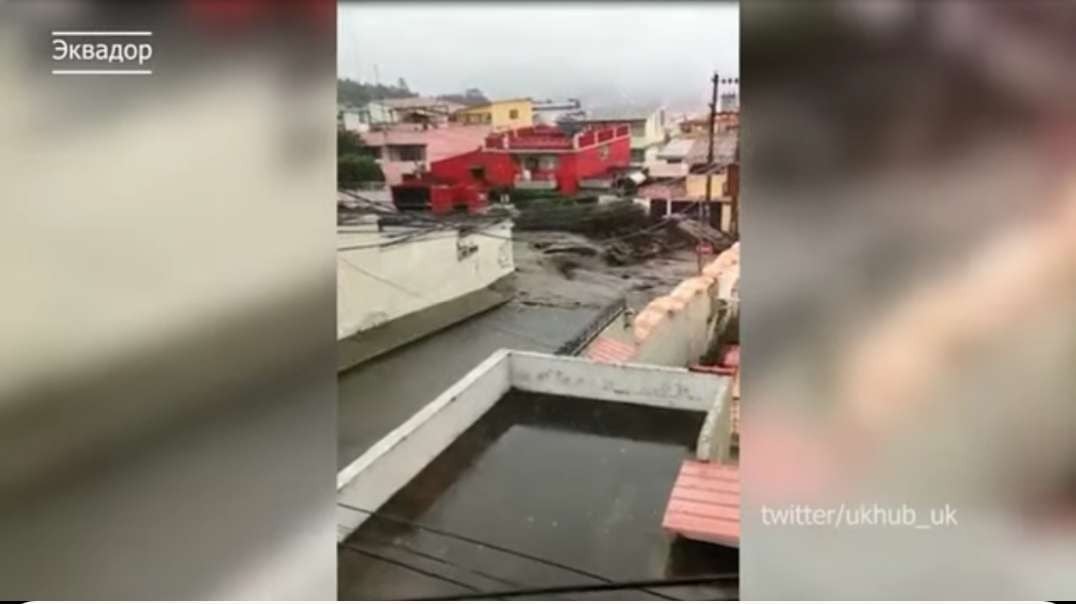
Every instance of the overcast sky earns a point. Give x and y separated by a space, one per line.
602 53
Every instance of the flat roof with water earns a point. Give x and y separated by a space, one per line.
541 491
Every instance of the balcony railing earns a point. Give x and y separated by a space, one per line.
541 181
540 142
544 139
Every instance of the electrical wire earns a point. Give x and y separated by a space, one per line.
467 226
377 277
591 587
445 561
492 546
395 562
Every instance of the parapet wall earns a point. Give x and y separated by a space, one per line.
676 329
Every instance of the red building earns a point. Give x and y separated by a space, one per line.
539 157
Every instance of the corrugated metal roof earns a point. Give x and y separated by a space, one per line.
724 149
609 114
674 189
678 148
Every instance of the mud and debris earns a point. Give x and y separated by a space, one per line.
576 270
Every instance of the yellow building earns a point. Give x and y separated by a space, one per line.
695 185
502 115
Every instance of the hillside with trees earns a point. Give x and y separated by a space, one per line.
350 92
470 97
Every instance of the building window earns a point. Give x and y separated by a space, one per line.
513 114
638 156
410 152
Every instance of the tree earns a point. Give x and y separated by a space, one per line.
350 92
348 143
354 169
402 84
470 97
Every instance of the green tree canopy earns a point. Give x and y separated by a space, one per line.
350 92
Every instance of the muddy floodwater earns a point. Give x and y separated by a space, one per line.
541 491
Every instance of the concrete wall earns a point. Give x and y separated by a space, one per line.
376 285
590 162
678 328
369 481
654 131
351 121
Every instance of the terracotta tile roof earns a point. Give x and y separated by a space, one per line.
608 350
705 503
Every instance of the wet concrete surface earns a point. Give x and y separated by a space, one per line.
382 393
577 482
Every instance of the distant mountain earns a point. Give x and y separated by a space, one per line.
350 92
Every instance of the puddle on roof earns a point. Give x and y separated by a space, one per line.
573 481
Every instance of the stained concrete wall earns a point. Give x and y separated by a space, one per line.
368 482
678 328
377 284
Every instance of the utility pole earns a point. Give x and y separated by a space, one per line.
710 151
734 190
704 212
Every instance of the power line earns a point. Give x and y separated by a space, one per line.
377 277
591 587
395 562
492 546
445 561
464 228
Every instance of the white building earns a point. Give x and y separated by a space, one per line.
648 131
392 291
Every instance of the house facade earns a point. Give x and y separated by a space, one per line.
419 110
407 149
363 117
539 157
677 178
724 121
508 114
648 131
